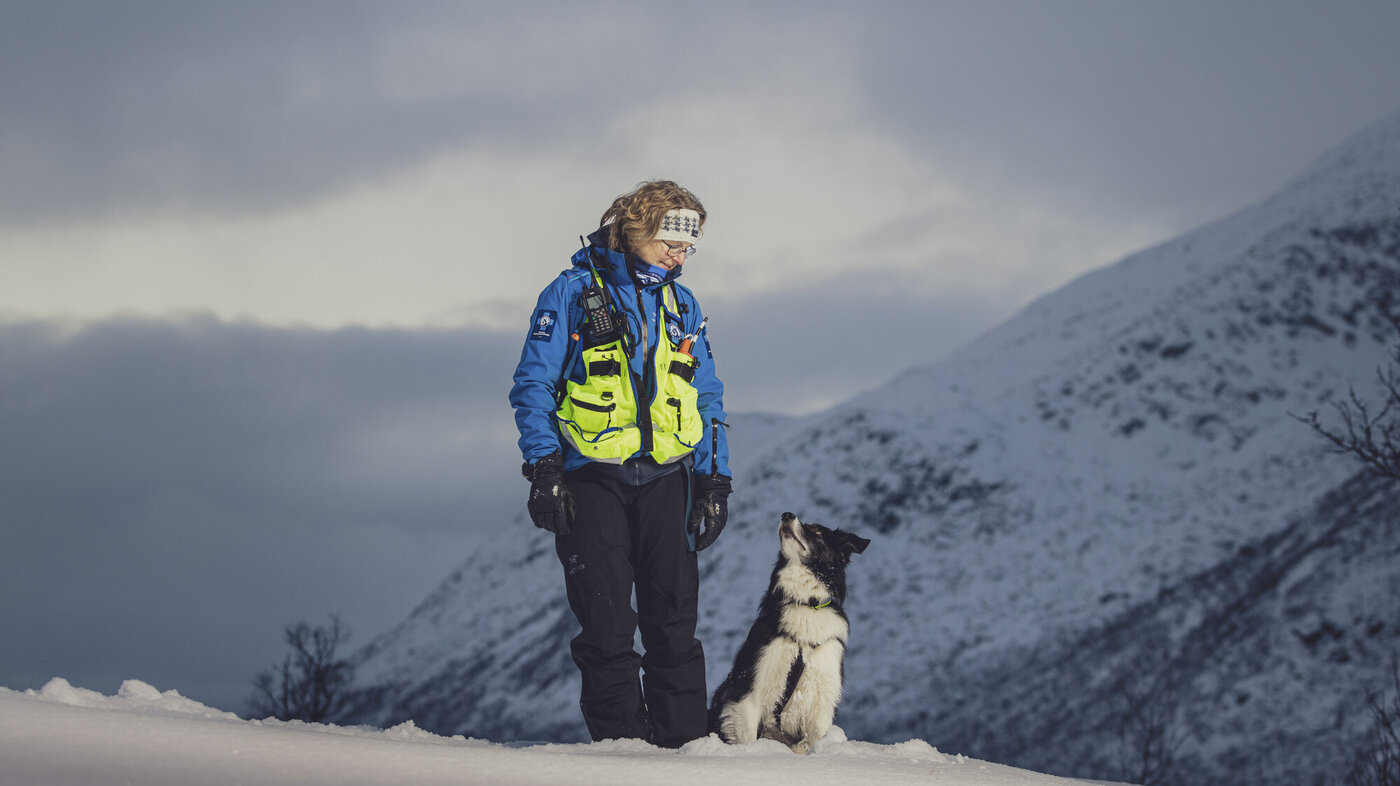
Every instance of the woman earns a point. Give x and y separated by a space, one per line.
621 425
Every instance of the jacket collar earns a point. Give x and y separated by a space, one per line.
612 264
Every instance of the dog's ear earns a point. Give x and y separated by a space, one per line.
855 542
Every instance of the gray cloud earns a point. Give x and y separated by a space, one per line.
176 492
1191 107
813 345
250 106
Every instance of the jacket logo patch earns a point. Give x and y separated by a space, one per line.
542 327
675 331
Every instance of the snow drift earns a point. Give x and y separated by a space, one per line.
67 736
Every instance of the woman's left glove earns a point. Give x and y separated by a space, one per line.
710 507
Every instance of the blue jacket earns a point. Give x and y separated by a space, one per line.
549 350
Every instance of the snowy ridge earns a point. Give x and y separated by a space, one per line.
67 736
1103 506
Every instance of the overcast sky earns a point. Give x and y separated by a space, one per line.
265 267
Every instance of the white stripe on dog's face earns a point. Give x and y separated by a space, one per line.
792 540
795 579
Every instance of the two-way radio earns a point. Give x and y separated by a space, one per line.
600 323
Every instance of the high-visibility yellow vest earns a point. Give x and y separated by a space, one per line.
602 420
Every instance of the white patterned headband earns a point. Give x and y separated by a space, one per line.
680 226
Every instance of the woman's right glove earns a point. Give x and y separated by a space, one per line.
710 507
551 504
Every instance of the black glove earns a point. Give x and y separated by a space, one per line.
710 506
551 504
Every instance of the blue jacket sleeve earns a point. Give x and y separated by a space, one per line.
712 454
541 365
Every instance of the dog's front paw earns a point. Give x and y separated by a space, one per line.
801 746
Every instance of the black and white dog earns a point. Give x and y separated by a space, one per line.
787 677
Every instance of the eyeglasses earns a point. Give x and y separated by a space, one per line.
674 249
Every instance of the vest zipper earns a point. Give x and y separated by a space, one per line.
644 410
715 424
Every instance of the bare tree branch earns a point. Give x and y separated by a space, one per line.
311 683
1151 734
1379 763
1370 433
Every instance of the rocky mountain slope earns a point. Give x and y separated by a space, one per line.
1098 526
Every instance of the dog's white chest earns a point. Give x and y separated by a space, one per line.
797 682
813 627
818 687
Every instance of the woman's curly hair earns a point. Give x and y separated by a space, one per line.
635 217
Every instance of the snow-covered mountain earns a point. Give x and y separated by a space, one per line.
1097 525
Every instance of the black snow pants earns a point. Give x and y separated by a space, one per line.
625 537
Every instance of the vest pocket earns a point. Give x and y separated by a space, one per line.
683 421
591 412
681 402
685 371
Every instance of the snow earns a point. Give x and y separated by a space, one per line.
63 735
